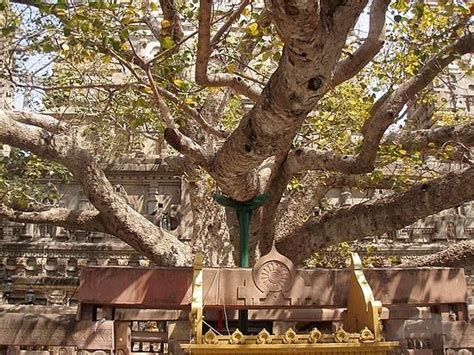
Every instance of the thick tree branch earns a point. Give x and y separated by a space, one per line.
379 216
188 147
276 187
457 255
49 123
62 217
303 159
386 110
119 218
203 56
33 138
421 139
353 64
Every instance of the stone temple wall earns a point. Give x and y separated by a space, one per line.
45 260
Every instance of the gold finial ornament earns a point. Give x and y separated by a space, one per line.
289 337
264 337
315 336
366 335
210 337
237 337
341 336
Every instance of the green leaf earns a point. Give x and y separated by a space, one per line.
106 59
266 55
252 29
167 42
179 83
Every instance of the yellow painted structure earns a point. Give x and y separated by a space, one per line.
361 332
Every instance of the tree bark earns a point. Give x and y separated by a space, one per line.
62 217
457 255
118 217
379 216
313 39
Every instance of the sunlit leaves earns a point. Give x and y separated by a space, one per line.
338 119
339 256
165 24
418 31
252 29
26 180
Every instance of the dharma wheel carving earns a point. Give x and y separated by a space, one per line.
274 272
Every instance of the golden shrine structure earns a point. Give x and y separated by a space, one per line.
360 333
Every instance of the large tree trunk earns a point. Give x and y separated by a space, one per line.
314 36
210 230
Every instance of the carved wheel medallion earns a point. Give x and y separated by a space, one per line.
274 272
274 275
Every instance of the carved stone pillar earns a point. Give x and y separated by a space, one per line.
7 231
29 231
185 228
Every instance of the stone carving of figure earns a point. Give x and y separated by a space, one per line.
346 197
451 231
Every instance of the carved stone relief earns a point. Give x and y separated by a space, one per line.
274 277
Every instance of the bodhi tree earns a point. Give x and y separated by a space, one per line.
283 98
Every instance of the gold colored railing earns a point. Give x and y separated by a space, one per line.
361 332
